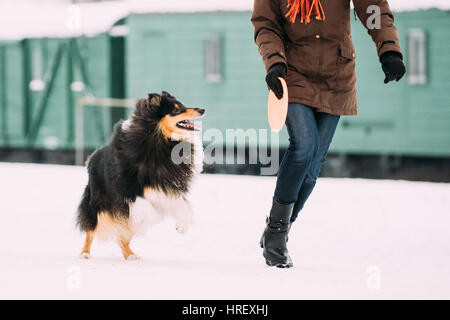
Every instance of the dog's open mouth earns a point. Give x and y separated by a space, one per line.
188 125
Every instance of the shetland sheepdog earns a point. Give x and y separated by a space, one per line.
143 174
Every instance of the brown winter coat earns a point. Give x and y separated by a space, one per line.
320 56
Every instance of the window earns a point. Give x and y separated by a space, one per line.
213 65
417 56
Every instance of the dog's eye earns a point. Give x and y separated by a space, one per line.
176 111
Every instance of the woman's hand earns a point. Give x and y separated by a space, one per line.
393 66
278 70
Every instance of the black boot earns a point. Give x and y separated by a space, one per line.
275 235
261 241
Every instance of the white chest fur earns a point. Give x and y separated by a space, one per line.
155 205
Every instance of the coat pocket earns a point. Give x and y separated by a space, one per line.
346 74
294 78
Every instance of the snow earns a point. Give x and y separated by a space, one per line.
359 239
32 19
406 5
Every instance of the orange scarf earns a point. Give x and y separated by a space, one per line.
306 7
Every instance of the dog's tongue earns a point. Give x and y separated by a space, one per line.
193 125
190 124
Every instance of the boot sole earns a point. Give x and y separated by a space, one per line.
271 264
280 265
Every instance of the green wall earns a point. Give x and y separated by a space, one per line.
11 94
165 52
400 118
21 107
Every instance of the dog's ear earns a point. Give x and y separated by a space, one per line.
154 99
166 105
166 94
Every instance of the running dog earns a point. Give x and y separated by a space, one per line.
143 174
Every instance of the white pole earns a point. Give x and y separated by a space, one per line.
79 119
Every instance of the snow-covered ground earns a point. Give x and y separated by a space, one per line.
356 239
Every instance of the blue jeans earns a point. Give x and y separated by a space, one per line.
310 135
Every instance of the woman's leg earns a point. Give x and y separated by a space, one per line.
303 148
310 134
326 125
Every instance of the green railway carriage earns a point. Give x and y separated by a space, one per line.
43 79
209 59
411 117
12 119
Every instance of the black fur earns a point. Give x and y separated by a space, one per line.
134 159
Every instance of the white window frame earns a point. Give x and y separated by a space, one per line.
213 58
417 57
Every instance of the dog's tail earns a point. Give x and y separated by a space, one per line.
87 213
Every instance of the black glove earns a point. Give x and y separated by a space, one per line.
393 66
276 71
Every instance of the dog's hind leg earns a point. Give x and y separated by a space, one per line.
128 254
87 221
86 251
183 215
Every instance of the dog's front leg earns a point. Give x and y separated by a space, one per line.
183 216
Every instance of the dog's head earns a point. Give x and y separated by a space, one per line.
172 117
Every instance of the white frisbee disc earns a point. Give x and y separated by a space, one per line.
277 108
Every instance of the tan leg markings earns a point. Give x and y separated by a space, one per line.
85 252
126 251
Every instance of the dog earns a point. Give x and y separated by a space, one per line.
143 174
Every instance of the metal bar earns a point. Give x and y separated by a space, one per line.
79 132
117 75
79 118
27 110
83 72
99 118
108 102
69 96
43 103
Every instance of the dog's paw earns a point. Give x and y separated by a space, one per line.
182 227
132 257
183 219
85 255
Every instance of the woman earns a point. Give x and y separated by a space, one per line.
308 43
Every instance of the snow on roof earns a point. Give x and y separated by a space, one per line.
410 5
241 5
32 20
46 18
